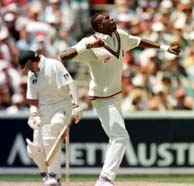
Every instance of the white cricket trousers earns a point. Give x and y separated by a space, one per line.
109 114
53 118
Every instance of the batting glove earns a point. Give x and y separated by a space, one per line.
34 121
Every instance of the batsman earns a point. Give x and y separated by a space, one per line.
51 94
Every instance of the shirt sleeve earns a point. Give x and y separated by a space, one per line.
133 41
83 56
63 78
32 92
129 41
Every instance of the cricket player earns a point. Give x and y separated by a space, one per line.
104 52
48 91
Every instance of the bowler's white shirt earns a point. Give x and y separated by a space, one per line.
105 68
50 84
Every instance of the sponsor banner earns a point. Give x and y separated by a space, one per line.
156 146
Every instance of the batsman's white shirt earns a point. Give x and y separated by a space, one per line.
50 88
105 68
50 84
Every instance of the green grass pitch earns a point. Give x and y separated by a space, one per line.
156 178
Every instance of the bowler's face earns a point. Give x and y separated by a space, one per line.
106 24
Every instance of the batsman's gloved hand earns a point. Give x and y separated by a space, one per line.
34 121
76 113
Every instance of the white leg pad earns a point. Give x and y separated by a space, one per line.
55 165
51 131
36 152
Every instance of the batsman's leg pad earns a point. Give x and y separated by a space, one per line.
55 164
51 131
36 153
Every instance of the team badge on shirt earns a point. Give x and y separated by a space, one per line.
66 76
34 81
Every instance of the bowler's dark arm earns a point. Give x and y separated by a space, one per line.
68 54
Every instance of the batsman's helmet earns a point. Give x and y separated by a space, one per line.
26 55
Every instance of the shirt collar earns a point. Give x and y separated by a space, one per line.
104 36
